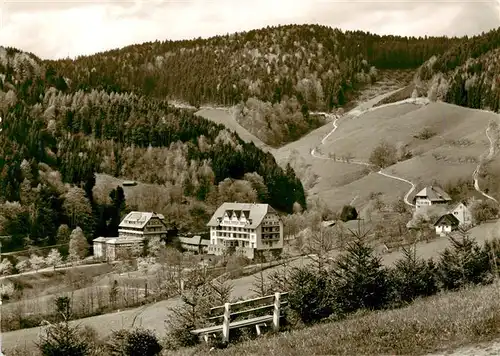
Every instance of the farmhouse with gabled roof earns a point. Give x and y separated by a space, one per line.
431 195
446 224
462 212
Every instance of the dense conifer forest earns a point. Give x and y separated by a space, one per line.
468 74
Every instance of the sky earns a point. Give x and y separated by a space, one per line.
62 28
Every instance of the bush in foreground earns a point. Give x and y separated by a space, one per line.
138 342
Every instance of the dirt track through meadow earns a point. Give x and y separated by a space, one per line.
358 111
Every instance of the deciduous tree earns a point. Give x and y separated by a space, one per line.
78 245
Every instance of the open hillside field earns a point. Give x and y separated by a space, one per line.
305 144
369 129
330 175
455 150
399 124
226 118
337 197
153 315
457 141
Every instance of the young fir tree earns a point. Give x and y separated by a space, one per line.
413 277
360 280
62 339
463 263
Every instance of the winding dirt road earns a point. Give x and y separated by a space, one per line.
355 113
489 156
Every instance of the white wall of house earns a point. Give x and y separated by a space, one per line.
443 229
111 252
422 203
99 250
463 214
233 232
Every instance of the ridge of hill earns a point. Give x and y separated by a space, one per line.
267 64
276 75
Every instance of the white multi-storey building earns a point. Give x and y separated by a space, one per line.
142 225
136 228
251 229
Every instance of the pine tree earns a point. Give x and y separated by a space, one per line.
62 339
463 263
413 277
118 206
360 280
311 294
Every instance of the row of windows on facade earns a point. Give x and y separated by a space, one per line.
242 229
140 231
235 243
265 234
140 222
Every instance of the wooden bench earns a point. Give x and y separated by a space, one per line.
229 311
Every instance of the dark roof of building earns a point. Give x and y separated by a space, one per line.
448 219
194 240
252 212
433 193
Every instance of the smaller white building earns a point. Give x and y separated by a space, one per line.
446 224
134 230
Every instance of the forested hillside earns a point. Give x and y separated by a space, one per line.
285 71
55 139
468 74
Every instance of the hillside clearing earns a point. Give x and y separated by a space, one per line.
451 153
226 117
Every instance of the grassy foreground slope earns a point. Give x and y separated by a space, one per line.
434 324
